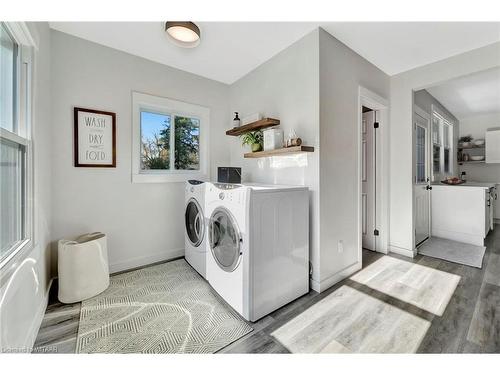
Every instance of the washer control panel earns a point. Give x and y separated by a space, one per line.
223 186
229 193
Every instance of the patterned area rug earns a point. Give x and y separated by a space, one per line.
167 308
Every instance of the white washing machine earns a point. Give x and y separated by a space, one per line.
257 245
194 224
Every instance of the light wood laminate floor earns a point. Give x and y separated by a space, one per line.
470 322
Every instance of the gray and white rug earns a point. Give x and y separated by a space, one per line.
453 251
167 308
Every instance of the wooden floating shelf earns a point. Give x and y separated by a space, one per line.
471 148
471 162
257 125
279 151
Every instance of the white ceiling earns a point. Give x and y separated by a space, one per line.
472 95
230 50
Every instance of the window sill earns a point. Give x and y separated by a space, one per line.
156 178
21 248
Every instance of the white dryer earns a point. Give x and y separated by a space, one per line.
257 245
194 224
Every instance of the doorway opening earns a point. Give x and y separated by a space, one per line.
373 174
369 126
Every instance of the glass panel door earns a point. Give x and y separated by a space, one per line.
420 150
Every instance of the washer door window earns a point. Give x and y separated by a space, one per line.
224 239
194 222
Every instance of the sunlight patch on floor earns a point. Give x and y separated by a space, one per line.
350 321
424 287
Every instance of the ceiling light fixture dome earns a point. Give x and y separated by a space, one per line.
183 33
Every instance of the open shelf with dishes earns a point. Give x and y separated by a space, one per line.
471 153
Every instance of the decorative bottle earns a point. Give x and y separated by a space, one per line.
236 120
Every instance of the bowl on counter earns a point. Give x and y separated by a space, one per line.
476 157
479 142
453 181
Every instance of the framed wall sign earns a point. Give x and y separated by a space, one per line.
95 138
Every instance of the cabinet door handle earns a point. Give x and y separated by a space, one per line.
428 187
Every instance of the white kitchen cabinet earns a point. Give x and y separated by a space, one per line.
461 213
493 145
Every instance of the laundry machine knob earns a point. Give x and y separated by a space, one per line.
221 196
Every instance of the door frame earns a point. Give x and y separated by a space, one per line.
426 116
379 104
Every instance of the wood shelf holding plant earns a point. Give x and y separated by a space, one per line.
279 151
257 125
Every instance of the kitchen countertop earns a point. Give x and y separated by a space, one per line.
483 185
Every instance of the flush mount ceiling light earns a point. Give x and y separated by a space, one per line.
184 34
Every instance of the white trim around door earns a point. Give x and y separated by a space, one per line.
379 104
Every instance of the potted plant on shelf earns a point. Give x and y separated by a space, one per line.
465 141
253 139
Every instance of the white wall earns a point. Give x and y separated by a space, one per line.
312 87
342 71
142 221
477 126
402 86
24 284
285 87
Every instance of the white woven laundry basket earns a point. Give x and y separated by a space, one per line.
83 267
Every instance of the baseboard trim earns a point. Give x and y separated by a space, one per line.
335 278
38 318
145 260
401 251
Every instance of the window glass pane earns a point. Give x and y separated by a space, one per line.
420 151
155 141
8 51
436 136
11 195
436 158
187 143
446 135
447 160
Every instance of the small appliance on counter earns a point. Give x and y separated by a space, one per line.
229 175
